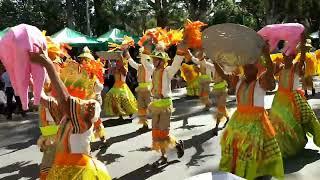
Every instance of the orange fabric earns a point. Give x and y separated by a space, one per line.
158 134
222 109
250 109
43 117
291 79
142 112
157 83
67 159
267 125
141 74
118 83
250 94
265 119
97 123
235 155
204 94
43 176
290 95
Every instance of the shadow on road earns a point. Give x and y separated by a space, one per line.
304 158
25 170
116 122
108 158
103 147
196 142
145 171
18 146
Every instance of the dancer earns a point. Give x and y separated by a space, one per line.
98 128
161 105
50 117
190 74
206 68
86 55
119 101
144 72
310 69
72 160
219 89
291 115
248 145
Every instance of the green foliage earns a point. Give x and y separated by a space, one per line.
135 16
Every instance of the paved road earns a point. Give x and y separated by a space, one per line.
127 154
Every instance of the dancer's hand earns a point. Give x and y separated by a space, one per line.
40 57
182 48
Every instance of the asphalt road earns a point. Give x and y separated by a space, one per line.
127 153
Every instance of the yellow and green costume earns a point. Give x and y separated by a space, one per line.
119 101
191 75
248 146
292 116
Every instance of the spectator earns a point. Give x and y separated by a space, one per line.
3 101
10 93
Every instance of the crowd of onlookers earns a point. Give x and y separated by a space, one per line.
9 102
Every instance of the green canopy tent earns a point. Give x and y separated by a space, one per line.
3 32
116 36
77 39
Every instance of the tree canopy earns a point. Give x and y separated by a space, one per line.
135 16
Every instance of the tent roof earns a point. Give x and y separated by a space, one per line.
3 32
116 35
73 37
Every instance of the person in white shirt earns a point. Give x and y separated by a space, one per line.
205 78
10 93
144 72
161 105
220 90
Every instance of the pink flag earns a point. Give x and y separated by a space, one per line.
14 54
289 32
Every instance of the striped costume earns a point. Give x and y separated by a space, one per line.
73 160
248 146
292 116
50 116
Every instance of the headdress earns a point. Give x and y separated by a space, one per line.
86 54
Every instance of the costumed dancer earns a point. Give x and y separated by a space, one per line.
144 72
205 78
291 115
220 92
49 115
119 101
310 69
86 55
86 60
219 89
98 130
72 159
190 73
248 145
161 105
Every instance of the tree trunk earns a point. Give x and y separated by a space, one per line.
70 16
161 13
99 27
88 18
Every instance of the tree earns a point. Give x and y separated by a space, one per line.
200 9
